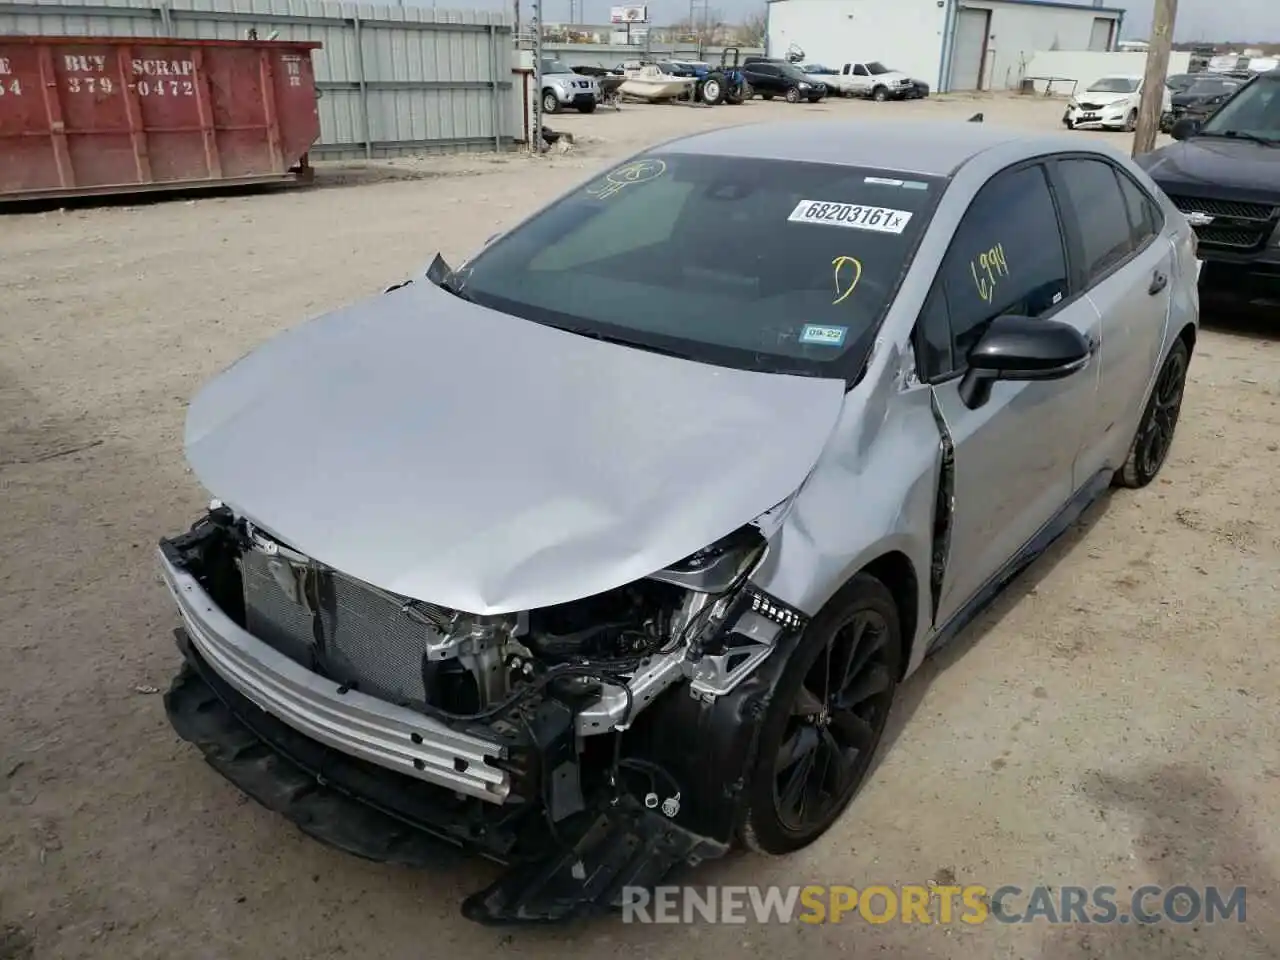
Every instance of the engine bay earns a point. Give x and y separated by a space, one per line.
608 655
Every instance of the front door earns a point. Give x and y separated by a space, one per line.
1014 454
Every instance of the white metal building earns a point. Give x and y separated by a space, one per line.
949 44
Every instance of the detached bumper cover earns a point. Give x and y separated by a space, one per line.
361 726
378 815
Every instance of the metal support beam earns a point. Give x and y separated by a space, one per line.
362 84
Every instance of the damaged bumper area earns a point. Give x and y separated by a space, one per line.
334 714
560 741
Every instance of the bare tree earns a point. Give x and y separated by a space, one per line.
707 27
754 27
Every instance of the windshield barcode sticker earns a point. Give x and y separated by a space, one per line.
853 215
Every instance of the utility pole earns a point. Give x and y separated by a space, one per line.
1152 103
536 26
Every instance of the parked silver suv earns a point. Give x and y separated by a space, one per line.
561 88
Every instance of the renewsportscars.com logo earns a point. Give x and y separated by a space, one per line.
933 904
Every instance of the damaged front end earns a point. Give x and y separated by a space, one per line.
591 746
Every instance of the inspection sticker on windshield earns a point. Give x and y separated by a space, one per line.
827 336
853 215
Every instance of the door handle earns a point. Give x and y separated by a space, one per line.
1158 282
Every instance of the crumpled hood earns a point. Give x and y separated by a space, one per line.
1217 167
1102 99
461 456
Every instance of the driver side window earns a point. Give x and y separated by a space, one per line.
861 71
1006 257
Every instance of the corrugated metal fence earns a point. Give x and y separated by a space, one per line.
393 80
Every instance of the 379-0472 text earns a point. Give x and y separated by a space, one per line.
87 73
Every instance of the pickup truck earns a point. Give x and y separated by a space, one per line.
1223 173
870 78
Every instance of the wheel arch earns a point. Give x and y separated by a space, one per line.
1188 336
896 571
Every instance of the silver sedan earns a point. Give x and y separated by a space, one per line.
608 549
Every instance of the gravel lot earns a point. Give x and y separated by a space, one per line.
1111 721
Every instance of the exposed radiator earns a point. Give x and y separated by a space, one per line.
365 637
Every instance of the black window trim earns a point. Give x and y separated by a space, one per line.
936 290
1071 222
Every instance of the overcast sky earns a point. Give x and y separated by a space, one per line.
1257 20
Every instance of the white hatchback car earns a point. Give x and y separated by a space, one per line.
1109 103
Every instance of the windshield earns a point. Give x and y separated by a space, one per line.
555 66
1254 112
1210 88
817 68
875 68
757 264
792 71
1114 85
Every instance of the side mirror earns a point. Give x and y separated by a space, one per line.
1022 349
1185 129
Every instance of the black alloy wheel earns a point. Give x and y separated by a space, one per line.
827 716
1155 432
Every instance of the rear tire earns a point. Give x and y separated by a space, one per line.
587 108
818 737
1154 438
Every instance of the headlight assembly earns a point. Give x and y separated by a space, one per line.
716 568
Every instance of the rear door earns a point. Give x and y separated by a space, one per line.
1015 454
764 77
861 78
1126 270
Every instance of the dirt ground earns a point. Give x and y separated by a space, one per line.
1111 721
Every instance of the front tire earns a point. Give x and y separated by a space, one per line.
550 102
712 91
587 108
1131 122
1154 439
793 95
825 719
880 94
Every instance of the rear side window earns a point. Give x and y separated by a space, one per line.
1145 219
1006 258
1100 208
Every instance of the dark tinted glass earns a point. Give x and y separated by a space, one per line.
1006 258
1144 216
1253 112
755 263
1093 193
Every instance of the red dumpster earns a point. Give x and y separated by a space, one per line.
102 115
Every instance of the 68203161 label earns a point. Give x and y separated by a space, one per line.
851 215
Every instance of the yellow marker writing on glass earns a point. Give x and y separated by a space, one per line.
838 264
988 267
638 171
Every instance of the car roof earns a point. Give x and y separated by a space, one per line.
929 148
